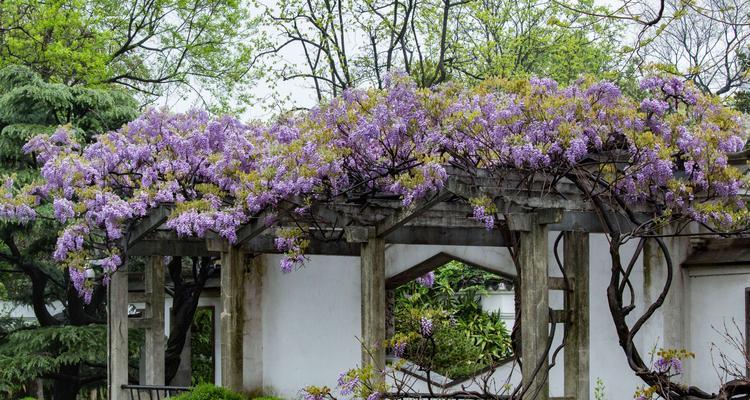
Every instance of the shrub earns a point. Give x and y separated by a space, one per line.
467 339
454 354
209 392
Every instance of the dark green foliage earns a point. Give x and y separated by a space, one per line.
467 339
30 106
489 333
32 352
741 101
455 354
209 392
202 346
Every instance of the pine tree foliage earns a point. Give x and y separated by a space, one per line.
39 352
64 348
29 106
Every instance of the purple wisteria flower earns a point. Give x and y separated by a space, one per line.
63 209
671 365
427 280
480 214
347 383
656 106
217 173
425 327
399 349
312 396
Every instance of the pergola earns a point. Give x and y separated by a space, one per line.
531 208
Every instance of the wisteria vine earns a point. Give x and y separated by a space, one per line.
668 152
219 172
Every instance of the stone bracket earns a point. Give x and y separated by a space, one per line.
523 221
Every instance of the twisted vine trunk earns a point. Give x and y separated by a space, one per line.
184 306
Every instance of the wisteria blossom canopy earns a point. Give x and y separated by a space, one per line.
669 150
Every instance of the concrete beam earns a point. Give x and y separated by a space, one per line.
448 236
154 335
434 262
403 216
261 223
147 224
576 368
535 317
168 244
117 335
372 257
232 274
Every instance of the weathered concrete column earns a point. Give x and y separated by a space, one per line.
253 328
576 261
535 314
372 257
232 274
154 335
117 335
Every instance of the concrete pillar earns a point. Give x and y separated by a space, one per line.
253 334
535 318
232 273
372 257
576 261
154 335
117 335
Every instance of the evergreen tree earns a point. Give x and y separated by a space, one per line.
30 105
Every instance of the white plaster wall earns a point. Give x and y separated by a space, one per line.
716 297
311 318
400 257
502 302
26 312
606 358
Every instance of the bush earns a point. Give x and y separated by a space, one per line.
454 354
209 392
466 338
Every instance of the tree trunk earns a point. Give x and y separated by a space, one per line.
184 306
183 310
66 389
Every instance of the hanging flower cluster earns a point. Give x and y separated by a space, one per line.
668 363
427 280
669 150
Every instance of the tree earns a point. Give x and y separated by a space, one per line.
153 47
185 294
30 106
508 39
353 44
707 43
